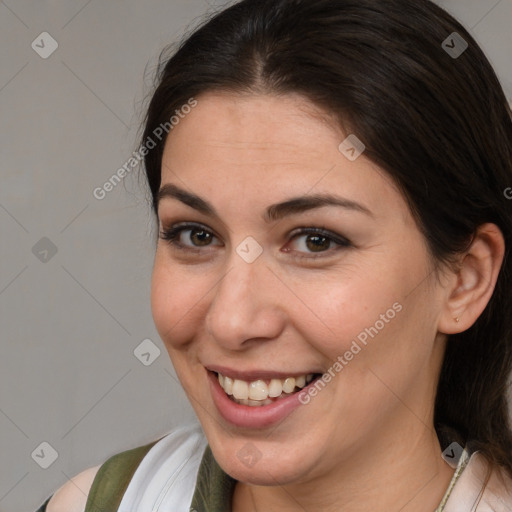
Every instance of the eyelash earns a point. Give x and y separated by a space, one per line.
171 236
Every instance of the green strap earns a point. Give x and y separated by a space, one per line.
214 488
113 477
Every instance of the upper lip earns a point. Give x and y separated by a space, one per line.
251 375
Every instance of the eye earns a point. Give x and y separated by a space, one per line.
316 240
196 235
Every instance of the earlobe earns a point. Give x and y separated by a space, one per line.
474 282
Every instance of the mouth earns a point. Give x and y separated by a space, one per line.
257 399
261 392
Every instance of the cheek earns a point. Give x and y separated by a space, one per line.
174 303
349 311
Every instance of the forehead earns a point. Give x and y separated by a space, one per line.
263 126
266 146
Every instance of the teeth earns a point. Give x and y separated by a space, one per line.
227 384
275 388
240 389
300 382
289 385
253 403
259 392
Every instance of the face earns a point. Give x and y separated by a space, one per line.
281 261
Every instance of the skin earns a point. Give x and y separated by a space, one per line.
366 442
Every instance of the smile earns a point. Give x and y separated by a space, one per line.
261 392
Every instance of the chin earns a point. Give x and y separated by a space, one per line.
266 473
254 463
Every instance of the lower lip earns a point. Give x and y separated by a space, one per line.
244 416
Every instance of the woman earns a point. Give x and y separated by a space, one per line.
332 278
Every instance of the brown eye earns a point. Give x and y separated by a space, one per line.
187 236
315 240
317 243
200 237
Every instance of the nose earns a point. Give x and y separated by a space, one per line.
246 307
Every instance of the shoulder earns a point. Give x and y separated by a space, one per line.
130 471
72 496
498 492
481 483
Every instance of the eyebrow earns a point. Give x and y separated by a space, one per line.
274 212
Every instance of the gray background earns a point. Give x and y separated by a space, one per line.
71 321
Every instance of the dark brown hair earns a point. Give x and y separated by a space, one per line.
439 125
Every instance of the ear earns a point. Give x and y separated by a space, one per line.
471 288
